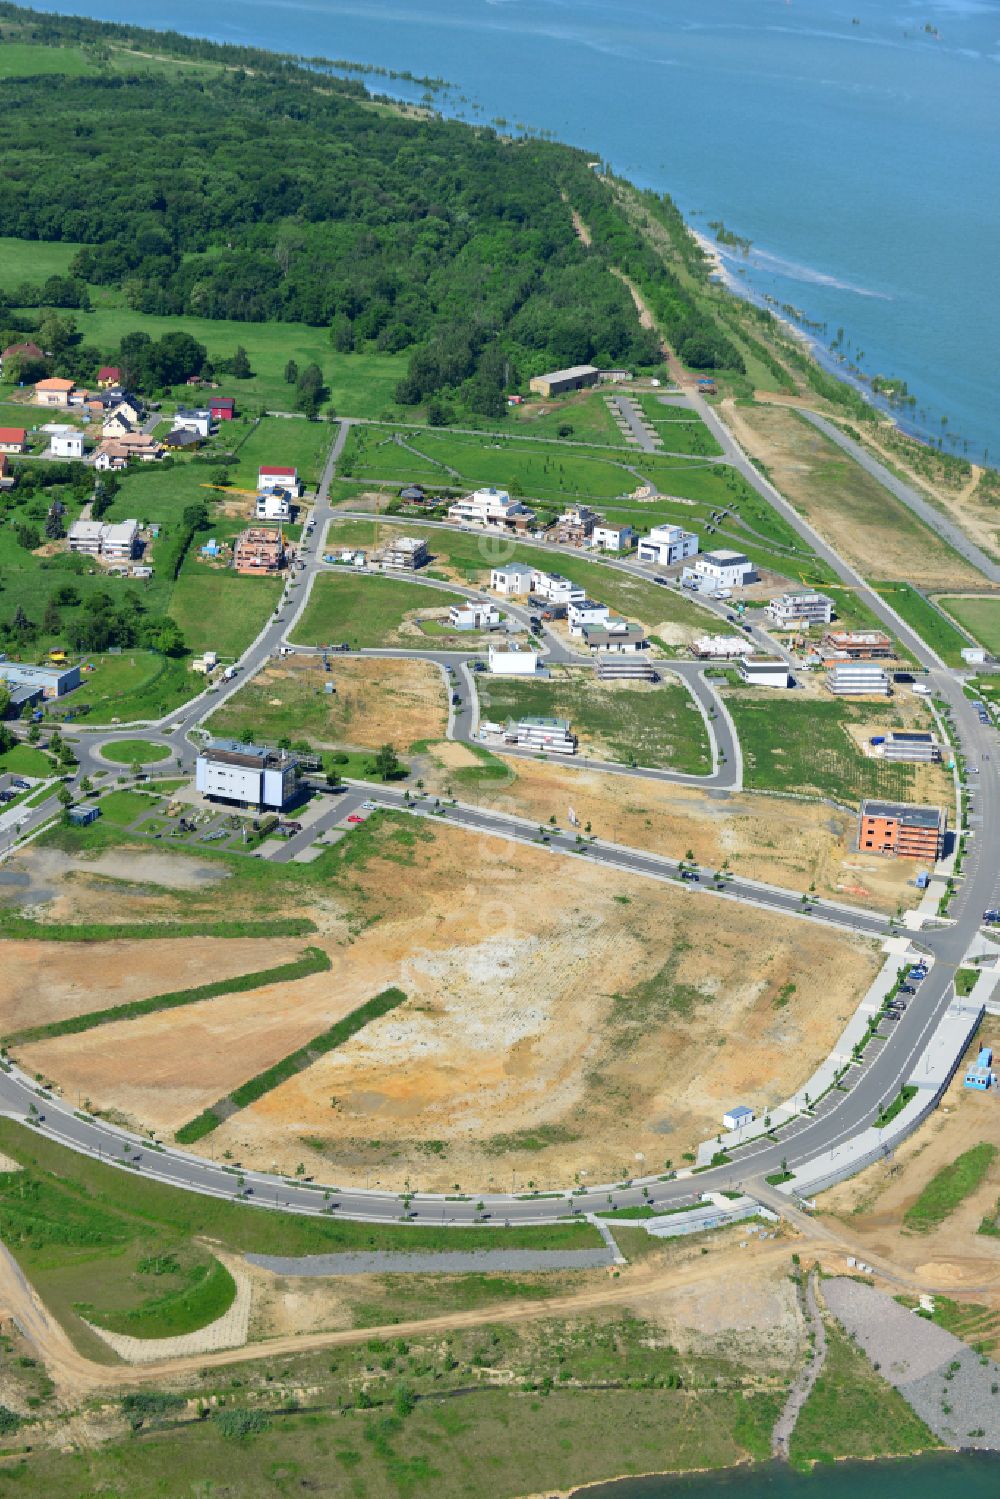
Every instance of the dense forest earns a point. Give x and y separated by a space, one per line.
264 191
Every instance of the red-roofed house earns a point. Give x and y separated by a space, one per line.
223 408
20 351
13 440
54 392
108 375
270 477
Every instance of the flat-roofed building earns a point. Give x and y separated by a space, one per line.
764 671
48 681
585 611
722 647
666 545
548 735
556 589
119 540
618 637
608 537
474 615
859 645
273 505
85 536
561 382
791 610
857 679
512 660
915 747
513 580
720 569
902 830
492 508
250 775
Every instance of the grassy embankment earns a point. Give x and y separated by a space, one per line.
949 1188
930 624
981 617
656 726
852 1412
272 1077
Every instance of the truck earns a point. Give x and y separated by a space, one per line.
229 673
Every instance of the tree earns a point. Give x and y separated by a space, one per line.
291 372
51 619
241 364
165 637
54 527
21 626
386 763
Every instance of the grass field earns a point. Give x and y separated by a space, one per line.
852 1412
123 807
128 751
633 723
949 1187
217 610
793 744
367 611
930 624
678 428
22 60
134 685
981 617
285 441
24 760
32 259
463 556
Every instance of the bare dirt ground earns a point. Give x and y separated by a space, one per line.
375 702
871 1205
512 1051
854 512
90 887
47 981
776 839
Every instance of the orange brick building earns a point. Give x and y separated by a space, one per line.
258 550
905 831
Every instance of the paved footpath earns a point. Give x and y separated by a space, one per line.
446 1262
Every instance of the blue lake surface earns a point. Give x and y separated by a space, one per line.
862 160
935 1476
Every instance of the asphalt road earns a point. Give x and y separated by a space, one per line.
808 1140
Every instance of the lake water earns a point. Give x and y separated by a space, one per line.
862 160
936 1476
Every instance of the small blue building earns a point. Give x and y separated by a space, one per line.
980 1076
81 816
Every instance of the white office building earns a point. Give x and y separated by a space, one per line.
667 544
248 774
118 541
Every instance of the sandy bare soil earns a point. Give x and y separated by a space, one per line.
848 507
512 963
46 981
375 702
777 839
871 1205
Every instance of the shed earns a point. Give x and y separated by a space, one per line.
80 816
738 1117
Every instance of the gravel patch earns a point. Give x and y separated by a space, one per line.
445 1262
949 1386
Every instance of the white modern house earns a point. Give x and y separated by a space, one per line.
193 419
583 612
493 508
722 647
118 541
512 660
273 504
513 580
715 570
609 538
790 609
667 544
66 442
248 774
764 671
617 637
556 588
474 615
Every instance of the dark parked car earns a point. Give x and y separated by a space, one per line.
906 989
690 874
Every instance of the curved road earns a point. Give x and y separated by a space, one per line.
808 1140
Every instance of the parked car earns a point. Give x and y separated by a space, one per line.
906 989
369 806
690 874
355 818
664 581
